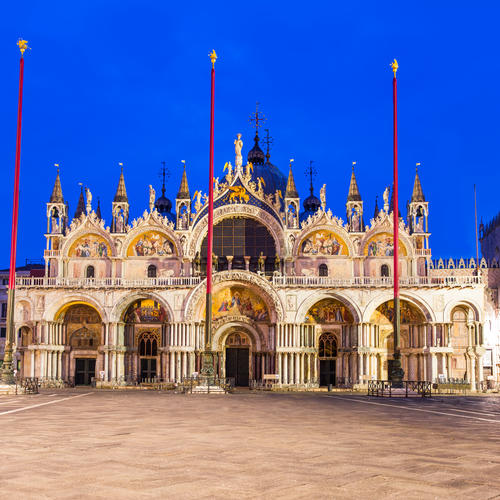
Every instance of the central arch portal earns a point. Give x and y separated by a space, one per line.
237 354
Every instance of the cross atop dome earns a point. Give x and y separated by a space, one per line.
257 118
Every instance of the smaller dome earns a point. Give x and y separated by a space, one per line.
311 206
164 207
256 155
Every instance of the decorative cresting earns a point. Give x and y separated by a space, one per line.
249 211
88 226
234 277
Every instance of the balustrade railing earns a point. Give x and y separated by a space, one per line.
46 282
306 281
361 281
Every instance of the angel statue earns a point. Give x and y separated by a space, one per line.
89 200
229 169
197 203
322 197
386 199
261 184
238 145
249 169
152 196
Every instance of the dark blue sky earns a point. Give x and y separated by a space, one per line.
118 81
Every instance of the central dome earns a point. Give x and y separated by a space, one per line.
262 167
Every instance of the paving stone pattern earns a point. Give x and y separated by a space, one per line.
121 445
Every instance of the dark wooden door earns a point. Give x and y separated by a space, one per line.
148 368
84 371
327 372
237 365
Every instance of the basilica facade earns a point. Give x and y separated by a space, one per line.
298 292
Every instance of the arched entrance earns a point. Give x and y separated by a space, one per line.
335 321
412 332
83 332
237 356
145 333
327 354
460 343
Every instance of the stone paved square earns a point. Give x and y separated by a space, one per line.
79 444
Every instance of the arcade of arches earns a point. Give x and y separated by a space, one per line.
331 346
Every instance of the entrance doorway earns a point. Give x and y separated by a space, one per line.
84 371
237 365
148 368
327 353
327 372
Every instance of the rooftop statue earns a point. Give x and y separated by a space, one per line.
152 196
238 145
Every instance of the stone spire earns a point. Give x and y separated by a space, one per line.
57 196
121 192
377 210
291 190
183 193
391 202
418 194
98 209
353 194
80 208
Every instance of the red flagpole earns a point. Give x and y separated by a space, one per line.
396 374
207 367
7 371
211 183
395 189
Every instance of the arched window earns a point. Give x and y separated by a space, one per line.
384 270
151 271
327 346
240 238
148 345
323 270
90 272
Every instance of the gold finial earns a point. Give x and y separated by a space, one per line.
291 161
353 163
213 57
417 165
394 66
23 45
57 166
